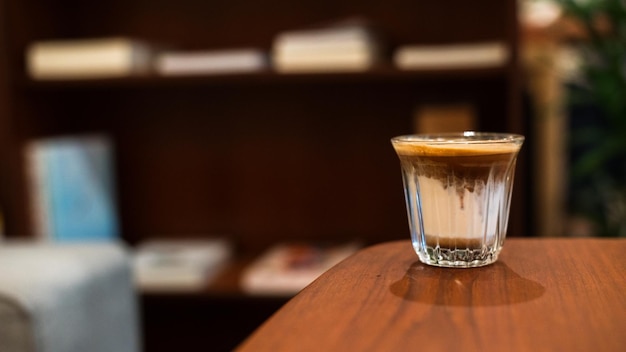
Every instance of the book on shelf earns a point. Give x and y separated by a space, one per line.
451 56
344 46
211 62
179 264
442 118
287 268
72 188
89 58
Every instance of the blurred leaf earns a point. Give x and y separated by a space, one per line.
599 171
593 160
586 136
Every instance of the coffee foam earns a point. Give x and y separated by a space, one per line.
454 148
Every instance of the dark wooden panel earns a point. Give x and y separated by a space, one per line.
288 160
192 23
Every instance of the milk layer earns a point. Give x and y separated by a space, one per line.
456 212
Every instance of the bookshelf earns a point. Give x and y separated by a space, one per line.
259 157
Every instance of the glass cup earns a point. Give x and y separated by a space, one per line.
457 188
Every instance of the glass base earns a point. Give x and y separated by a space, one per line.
457 257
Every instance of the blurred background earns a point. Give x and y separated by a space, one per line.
213 134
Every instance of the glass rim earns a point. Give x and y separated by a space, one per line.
468 137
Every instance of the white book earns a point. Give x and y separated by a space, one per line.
88 58
211 62
477 55
324 48
353 47
179 264
326 62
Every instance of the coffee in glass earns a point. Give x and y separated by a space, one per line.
458 194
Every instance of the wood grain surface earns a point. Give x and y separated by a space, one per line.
542 295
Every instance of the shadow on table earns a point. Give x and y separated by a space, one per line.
492 285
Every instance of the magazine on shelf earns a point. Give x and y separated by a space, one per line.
89 58
345 46
72 188
225 61
179 264
287 268
451 56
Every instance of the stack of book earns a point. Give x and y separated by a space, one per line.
174 63
287 268
342 47
91 58
451 56
180 264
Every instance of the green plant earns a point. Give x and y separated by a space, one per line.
598 169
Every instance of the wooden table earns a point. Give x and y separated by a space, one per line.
541 295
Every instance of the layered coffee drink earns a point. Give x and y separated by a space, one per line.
458 193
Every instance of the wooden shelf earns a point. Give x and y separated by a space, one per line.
264 78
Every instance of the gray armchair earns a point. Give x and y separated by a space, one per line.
67 298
